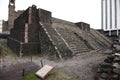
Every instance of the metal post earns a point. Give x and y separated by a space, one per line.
41 61
23 73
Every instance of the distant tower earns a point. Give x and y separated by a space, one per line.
11 13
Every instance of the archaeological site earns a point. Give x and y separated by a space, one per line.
73 48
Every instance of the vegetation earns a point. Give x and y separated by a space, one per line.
8 51
54 75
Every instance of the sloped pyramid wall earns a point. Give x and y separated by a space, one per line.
80 37
33 33
36 31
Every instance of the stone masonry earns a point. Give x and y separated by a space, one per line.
24 37
12 15
36 31
30 34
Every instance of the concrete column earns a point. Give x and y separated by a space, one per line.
115 4
106 14
110 33
102 14
110 14
117 32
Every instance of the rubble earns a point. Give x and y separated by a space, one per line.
110 69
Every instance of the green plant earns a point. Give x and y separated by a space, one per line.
54 75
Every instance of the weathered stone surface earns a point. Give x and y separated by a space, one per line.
44 16
30 36
83 26
110 67
25 35
80 40
14 45
35 31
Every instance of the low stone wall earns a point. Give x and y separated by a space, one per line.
30 48
14 45
26 48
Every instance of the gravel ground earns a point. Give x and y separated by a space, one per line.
82 66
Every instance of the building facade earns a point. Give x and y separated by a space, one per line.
110 17
1 22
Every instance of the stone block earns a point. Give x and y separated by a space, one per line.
83 26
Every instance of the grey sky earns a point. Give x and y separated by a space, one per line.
88 11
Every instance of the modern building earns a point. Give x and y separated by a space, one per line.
1 22
110 17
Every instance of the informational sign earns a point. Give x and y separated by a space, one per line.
44 71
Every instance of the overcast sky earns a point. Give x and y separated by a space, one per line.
88 11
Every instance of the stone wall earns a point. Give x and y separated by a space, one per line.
51 41
45 16
5 26
24 36
18 13
83 26
33 33
14 45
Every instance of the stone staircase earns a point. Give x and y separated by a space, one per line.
95 42
101 37
60 44
95 39
67 31
80 40
75 43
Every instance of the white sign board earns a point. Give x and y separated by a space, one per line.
44 71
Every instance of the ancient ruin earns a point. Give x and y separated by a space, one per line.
90 54
12 15
36 31
110 68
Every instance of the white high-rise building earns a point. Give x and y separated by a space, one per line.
110 16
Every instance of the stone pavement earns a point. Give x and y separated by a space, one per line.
15 72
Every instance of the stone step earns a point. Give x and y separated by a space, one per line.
58 41
77 52
74 42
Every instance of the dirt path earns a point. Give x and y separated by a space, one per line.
15 72
81 66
